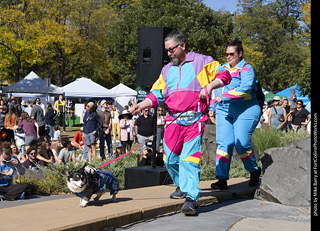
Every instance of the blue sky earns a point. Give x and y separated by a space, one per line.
229 5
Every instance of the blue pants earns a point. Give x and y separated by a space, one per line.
235 125
103 138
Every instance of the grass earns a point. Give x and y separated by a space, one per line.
55 177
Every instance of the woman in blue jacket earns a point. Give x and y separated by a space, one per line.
237 115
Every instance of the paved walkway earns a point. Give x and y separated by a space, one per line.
131 206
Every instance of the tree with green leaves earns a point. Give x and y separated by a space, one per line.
59 39
275 41
208 32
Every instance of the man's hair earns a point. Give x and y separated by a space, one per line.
31 149
238 44
300 101
177 36
5 147
65 141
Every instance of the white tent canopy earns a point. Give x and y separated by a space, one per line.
32 83
123 90
84 88
123 95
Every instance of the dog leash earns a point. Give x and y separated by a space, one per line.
171 122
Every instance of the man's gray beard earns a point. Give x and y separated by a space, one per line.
175 61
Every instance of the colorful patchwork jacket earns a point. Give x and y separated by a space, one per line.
243 85
180 86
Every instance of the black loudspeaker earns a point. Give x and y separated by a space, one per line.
144 176
151 55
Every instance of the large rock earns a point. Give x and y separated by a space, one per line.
286 177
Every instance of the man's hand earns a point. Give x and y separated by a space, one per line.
135 109
140 106
203 94
14 161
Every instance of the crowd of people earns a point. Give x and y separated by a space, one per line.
31 136
285 114
230 93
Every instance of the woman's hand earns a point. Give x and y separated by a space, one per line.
218 99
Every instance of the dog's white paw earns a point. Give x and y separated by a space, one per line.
83 203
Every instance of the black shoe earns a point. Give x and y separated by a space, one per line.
177 194
254 177
220 184
188 207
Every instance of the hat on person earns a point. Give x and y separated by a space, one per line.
103 102
90 104
125 112
23 103
12 97
276 98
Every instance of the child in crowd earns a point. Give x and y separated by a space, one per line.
57 133
119 150
19 138
66 154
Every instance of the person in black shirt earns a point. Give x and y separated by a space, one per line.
144 127
299 117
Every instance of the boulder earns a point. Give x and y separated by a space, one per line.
286 177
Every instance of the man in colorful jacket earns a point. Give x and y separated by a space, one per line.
184 85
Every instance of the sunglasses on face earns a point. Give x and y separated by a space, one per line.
231 54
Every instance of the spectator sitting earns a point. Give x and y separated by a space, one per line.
30 127
119 150
32 163
15 152
57 133
45 154
9 164
66 155
146 157
55 148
